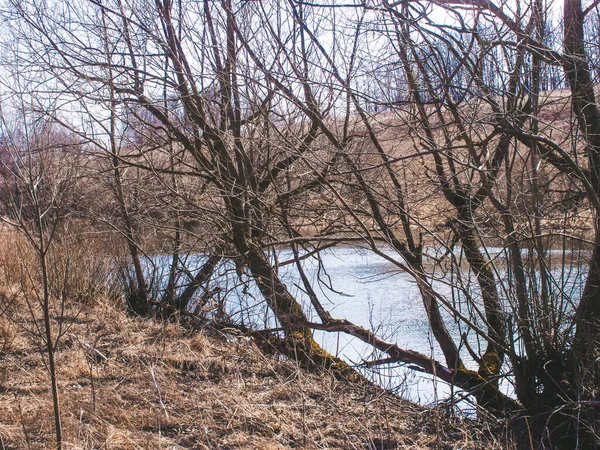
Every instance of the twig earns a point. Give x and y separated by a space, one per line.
158 391
22 419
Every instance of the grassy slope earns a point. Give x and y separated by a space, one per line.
164 387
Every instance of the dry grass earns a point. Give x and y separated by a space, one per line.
128 383
14 251
8 334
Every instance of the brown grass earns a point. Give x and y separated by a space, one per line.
127 383
7 334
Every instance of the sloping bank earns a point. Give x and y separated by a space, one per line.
129 383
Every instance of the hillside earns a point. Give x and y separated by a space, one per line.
127 383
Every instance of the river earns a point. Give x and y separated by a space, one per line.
368 290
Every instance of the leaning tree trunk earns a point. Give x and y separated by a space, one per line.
299 343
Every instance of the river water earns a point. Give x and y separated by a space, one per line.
374 293
367 290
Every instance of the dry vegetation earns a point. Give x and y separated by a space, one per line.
129 383
563 212
132 383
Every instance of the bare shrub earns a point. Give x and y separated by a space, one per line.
82 267
13 252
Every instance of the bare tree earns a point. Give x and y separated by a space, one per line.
371 123
505 173
38 192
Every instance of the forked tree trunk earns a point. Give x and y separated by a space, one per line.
587 334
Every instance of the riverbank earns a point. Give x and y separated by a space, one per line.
128 383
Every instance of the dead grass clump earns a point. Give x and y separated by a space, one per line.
78 265
8 334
